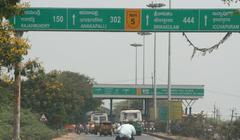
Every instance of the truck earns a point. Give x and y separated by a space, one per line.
133 117
94 121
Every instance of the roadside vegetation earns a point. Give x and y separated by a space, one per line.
203 128
31 127
64 98
196 125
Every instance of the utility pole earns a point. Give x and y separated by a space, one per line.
214 112
169 80
144 103
232 115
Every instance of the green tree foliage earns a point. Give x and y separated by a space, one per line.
64 97
31 127
41 93
230 1
9 8
12 51
230 131
12 48
207 128
236 129
77 91
6 96
190 126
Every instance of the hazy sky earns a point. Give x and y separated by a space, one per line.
109 58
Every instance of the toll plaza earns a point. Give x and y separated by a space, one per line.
186 94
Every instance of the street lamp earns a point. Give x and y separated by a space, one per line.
136 46
144 100
144 34
154 6
169 79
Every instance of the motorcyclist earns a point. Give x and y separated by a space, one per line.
125 132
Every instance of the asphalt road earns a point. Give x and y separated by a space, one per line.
97 137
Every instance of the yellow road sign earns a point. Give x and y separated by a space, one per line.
133 19
139 91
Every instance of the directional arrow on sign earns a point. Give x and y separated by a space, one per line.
205 20
147 20
73 19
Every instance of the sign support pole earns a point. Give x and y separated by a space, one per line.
111 103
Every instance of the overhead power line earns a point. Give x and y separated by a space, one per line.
223 93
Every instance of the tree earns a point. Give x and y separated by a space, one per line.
42 94
12 50
10 8
236 129
77 91
230 1
5 95
64 97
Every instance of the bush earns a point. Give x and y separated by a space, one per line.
31 127
5 124
160 126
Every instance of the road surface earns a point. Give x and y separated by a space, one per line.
97 137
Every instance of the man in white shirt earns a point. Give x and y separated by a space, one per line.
126 131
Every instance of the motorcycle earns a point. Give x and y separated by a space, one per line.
123 138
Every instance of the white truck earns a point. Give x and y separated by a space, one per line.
134 117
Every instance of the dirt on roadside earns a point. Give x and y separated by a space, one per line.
69 136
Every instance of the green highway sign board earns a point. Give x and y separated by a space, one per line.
146 91
128 20
41 19
220 20
96 19
192 20
170 20
65 19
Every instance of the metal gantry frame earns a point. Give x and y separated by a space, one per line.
188 103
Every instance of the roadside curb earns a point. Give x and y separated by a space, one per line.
160 136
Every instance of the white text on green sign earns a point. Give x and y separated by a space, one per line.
124 20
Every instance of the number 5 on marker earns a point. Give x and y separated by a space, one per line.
133 20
